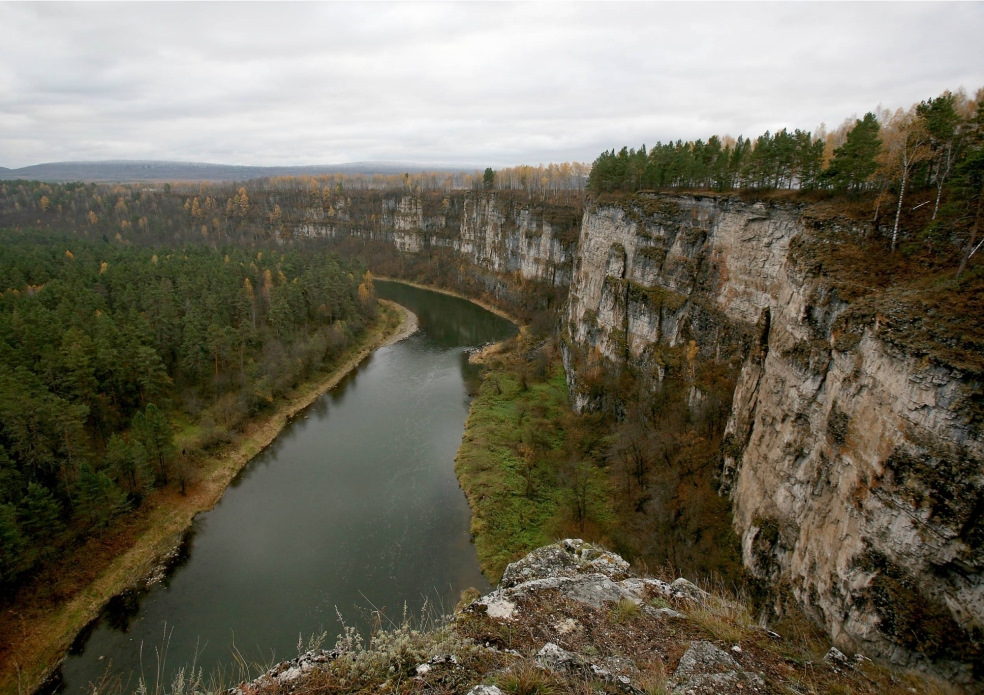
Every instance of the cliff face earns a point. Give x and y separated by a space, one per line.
853 458
662 271
857 477
495 233
854 466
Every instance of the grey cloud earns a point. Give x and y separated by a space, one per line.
502 83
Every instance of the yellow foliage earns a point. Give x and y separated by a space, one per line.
69 255
102 267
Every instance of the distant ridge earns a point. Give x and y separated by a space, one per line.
123 171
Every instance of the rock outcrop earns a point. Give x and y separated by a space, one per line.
572 617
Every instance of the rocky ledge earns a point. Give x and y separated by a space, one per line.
572 617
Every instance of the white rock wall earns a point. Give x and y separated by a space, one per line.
813 430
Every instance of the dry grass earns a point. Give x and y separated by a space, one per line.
640 646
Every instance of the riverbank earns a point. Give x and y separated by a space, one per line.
38 631
525 461
513 463
488 306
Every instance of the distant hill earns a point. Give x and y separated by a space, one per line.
137 170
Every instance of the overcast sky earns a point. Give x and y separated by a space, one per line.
454 83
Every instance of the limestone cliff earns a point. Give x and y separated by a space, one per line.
854 461
496 233
854 449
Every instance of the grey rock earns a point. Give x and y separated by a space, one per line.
592 589
702 657
564 559
837 657
641 586
707 670
435 661
596 590
286 672
583 573
662 612
557 659
683 588
485 690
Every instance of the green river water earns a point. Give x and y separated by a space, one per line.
354 508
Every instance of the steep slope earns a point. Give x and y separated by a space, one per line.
854 462
497 233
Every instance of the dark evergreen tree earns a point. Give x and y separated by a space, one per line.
854 161
41 514
968 183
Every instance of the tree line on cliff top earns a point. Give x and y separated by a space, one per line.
120 366
935 147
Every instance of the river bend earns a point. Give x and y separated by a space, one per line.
354 507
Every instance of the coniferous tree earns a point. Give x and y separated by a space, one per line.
40 513
969 183
854 161
153 431
13 545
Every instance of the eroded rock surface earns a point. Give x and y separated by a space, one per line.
854 458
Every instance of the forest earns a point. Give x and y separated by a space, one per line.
935 147
111 354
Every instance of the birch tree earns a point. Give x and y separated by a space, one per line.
906 143
943 127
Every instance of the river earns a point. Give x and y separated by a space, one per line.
354 508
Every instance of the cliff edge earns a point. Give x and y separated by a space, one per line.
854 452
571 617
